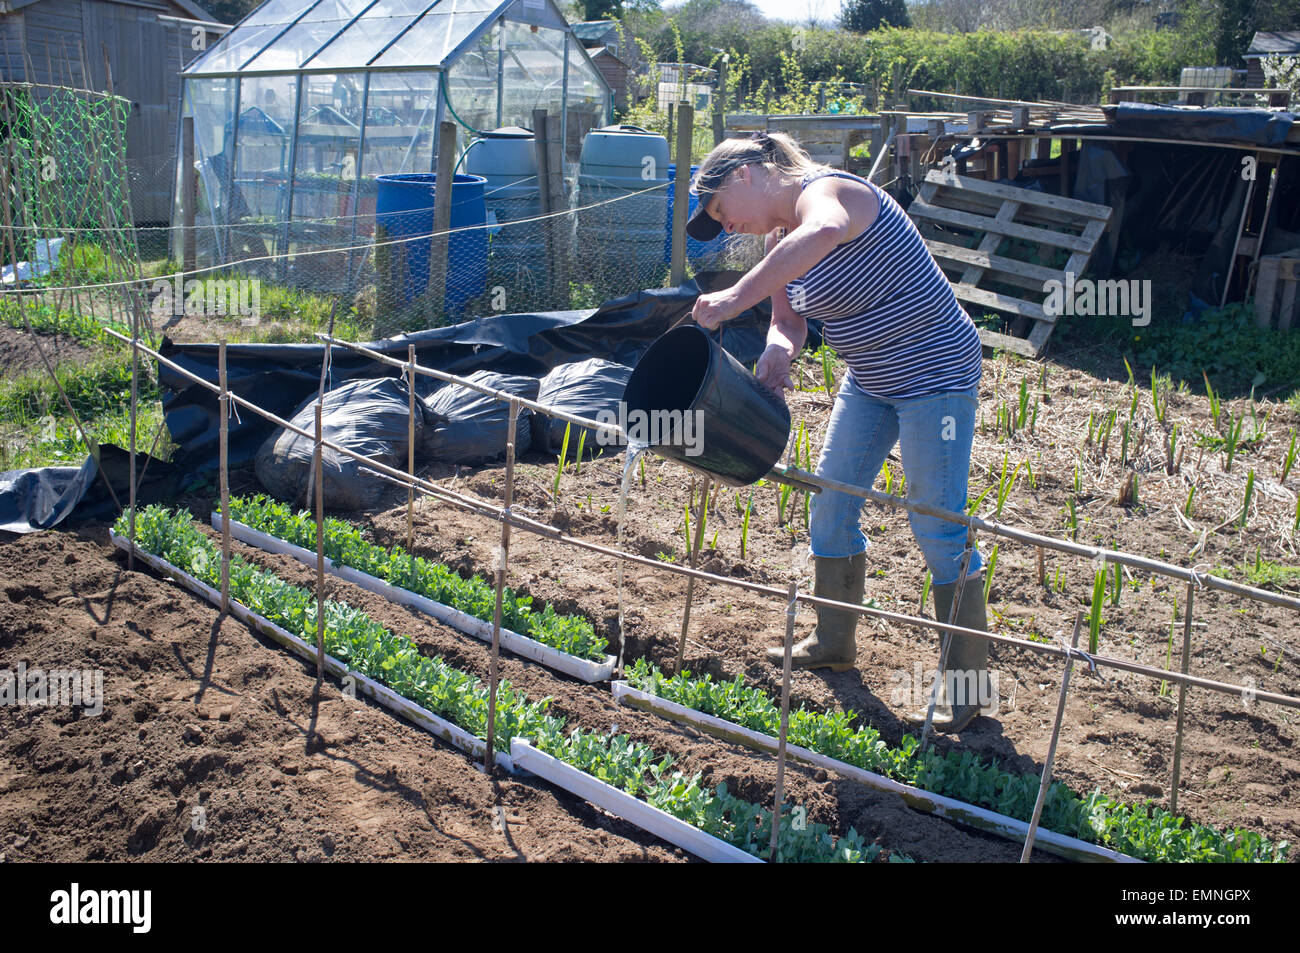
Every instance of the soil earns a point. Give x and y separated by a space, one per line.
201 712
18 353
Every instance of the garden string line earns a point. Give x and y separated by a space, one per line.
491 510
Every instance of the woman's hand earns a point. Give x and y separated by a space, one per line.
774 369
715 308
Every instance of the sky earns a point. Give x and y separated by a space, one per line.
795 11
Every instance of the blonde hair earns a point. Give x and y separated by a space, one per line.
775 151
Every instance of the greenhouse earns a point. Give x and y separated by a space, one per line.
332 94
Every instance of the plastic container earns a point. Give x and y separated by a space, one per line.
625 237
507 159
694 249
404 207
739 428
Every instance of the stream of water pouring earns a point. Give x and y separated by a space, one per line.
635 451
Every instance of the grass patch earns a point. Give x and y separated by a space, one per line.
1267 575
44 318
37 429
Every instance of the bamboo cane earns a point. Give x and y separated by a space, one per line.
785 718
502 558
410 446
1046 780
223 464
320 552
1182 700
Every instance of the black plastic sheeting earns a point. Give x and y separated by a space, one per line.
279 377
1261 128
37 499
584 389
467 426
283 377
370 417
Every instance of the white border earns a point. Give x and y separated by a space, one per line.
624 805
583 669
946 807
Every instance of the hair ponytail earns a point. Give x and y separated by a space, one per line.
777 152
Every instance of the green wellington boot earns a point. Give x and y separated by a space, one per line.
967 672
832 644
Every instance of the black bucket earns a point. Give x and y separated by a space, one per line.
742 427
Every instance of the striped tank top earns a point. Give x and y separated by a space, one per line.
888 310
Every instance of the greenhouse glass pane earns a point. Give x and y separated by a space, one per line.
276 11
439 32
399 125
588 103
324 179
266 118
362 41
534 73
211 102
307 36
232 49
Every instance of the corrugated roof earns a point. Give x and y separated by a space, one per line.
592 29
1265 42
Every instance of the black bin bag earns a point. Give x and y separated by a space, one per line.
367 416
465 426
584 389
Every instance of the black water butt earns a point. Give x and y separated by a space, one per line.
742 426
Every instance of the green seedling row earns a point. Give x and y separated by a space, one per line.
369 648
346 546
1144 831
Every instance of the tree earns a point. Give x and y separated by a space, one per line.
611 9
863 16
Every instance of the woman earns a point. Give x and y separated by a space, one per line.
841 250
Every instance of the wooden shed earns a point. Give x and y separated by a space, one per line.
1268 43
146 42
616 60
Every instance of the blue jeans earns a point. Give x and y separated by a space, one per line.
934 435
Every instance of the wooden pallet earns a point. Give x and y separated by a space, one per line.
952 209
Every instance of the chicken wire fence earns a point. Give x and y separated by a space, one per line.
65 185
385 272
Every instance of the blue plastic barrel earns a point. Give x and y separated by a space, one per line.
694 249
404 207
626 235
507 159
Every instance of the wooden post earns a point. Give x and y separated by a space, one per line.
542 145
317 469
410 446
1182 700
502 558
681 200
1051 748
439 243
720 104
1067 147
189 197
557 225
785 719
690 581
135 404
224 465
